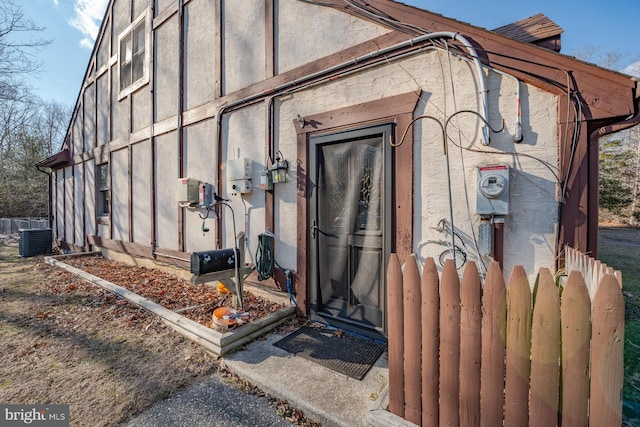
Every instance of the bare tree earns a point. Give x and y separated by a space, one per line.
634 148
18 46
610 59
29 128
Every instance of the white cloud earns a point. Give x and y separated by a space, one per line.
632 69
87 19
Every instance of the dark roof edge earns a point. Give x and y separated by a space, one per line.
55 161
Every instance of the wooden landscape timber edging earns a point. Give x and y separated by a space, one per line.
539 354
216 342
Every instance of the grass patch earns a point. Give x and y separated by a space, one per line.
620 248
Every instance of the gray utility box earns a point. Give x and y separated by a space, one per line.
493 190
35 241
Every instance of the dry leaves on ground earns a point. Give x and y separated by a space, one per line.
195 302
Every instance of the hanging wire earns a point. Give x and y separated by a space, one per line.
464 176
368 12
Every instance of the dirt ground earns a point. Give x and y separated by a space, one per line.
66 341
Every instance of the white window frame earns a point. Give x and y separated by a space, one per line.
144 18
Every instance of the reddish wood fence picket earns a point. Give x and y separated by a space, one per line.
463 353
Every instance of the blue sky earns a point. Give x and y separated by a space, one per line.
72 26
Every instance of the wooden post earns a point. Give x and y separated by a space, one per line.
494 320
449 345
430 342
412 341
518 364
470 346
607 362
545 353
575 313
396 336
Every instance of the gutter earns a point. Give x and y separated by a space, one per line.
50 202
627 123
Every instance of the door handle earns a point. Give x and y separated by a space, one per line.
314 229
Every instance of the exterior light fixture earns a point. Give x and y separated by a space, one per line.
279 170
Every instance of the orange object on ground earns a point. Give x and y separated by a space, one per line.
225 315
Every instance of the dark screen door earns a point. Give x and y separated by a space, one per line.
349 216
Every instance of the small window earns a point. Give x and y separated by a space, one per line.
132 56
103 190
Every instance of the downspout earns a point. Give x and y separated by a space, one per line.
49 203
181 230
152 178
594 138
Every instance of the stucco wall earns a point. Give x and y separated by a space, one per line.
141 194
120 118
104 45
303 33
120 194
140 110
309 32
166 69
68 200
103 109
199 164
89 112
90 197
530 226
243 44
78 204
59 204
199 53
166 199
77 133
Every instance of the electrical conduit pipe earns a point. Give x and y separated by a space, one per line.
372 55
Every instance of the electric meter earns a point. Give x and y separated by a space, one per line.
492 186
493 190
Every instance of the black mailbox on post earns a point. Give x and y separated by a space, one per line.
213 261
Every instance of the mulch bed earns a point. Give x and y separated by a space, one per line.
195 302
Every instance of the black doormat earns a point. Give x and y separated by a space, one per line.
341 352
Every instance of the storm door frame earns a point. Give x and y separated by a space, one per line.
397 110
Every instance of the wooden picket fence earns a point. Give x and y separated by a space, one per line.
462 353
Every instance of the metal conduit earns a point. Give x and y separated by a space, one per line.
376 54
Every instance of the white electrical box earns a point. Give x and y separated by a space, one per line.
188 190
238 169
239 186
493 190
239 176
